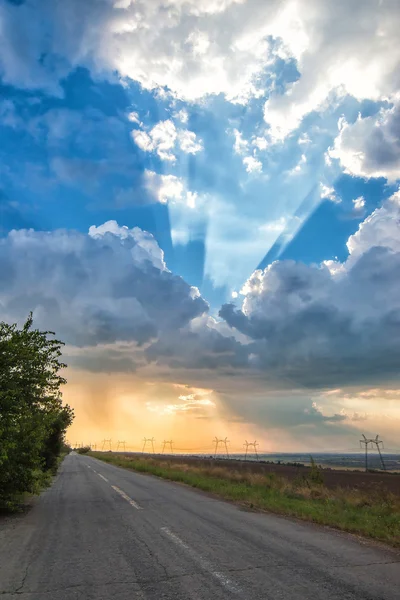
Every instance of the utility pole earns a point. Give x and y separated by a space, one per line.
223 443
148 441
252 445
167 443
121 444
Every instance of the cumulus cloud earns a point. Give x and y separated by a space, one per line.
334 322
328 193
379 229
188 142
359 203
370 147
164 137
168 188
106 286
252 164
202 346
208 47
360 59
241 147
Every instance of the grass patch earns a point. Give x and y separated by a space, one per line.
372 514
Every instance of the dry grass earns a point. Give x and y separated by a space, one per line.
374 514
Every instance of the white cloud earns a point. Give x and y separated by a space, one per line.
164 137
240 145
188 142
359 203
143 140
260 142
164 187
370 147
133 117
252 164
328 193
191 198
360 59
299 167
380 228
198 402
182 116
277 226
198 48
168 188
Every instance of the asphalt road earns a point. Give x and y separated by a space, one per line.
103 533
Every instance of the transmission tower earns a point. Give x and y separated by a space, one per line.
248 445
122 444
109 444
378 442
366 442
148 441
167 443
223 443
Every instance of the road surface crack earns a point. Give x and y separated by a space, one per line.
154 556
17 590
372 564
70 587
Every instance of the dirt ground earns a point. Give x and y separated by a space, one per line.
332 477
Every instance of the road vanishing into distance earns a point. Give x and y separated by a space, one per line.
101 532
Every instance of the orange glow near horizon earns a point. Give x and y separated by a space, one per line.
128 408
123 408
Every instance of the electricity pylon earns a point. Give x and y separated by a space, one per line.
248 445
366 442
224 443
121 444
148 441
378 442
167 443
109 444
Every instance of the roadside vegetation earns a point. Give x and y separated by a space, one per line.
83 450
33 419
375 514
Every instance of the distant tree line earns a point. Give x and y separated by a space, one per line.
33 419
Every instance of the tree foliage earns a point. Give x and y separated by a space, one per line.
33 419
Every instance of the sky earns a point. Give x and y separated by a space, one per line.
201 198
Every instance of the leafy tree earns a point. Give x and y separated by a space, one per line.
32 417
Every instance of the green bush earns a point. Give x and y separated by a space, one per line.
33 419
